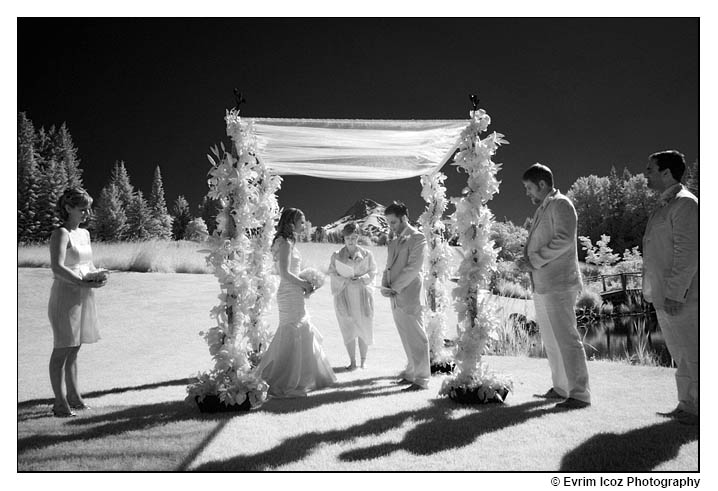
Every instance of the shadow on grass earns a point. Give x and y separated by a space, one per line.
89 426
336 394
118 390
436 431
135 418
639 450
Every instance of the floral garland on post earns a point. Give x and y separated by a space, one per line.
241 184
472 221
266 213
437 276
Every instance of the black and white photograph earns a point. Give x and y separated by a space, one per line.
292 244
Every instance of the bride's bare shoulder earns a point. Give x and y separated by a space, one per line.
280 243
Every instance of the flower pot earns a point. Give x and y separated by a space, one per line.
212 404
471 396
446 367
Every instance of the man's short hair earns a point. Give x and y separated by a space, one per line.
538 172
397 208
673 160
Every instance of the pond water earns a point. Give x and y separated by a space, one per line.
636 337
630 336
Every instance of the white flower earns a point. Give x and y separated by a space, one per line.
313 276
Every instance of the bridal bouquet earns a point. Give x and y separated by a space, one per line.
313 276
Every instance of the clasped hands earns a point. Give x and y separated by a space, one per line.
96 279
308 288
94 283
388 292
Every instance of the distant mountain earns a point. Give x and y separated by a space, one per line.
367 214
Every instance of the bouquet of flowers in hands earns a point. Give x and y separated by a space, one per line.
97 276
313 276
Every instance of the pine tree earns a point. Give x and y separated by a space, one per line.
161 226
66 153
181 217
44 146
196 230
27 180
110 217
139 218
52 184
209 208
691 178
613 213
121 180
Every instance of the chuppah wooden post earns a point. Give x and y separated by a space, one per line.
437 274
231 385
472 220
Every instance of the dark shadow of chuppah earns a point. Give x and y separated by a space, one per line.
117 390
648 447
436 432
336 394
97 425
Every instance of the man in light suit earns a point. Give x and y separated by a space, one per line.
670 274
402 283
551 257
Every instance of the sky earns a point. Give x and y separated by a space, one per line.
577 94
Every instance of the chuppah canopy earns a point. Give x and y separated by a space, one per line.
355 149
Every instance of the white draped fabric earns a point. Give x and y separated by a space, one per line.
355 150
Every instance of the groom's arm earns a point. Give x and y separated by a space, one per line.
414 264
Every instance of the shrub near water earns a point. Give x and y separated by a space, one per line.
509 289
589 300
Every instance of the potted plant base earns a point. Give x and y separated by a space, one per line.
445 367
476 396
212 404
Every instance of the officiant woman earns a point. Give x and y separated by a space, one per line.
352 270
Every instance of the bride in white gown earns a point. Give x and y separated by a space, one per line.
294 363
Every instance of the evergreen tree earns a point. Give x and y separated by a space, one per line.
196 230
120 178
181 216
161 226
110 217
44 146
66 153
139 219
51 186
691 178
209 208
27 180
613 213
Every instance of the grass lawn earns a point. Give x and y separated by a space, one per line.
135 379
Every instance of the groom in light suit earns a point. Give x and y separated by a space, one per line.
551 258
402 283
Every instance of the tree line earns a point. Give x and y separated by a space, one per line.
617 205
48 163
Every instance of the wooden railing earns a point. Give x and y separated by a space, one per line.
624 280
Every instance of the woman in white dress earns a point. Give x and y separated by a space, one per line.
352 270
294 363
71 308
